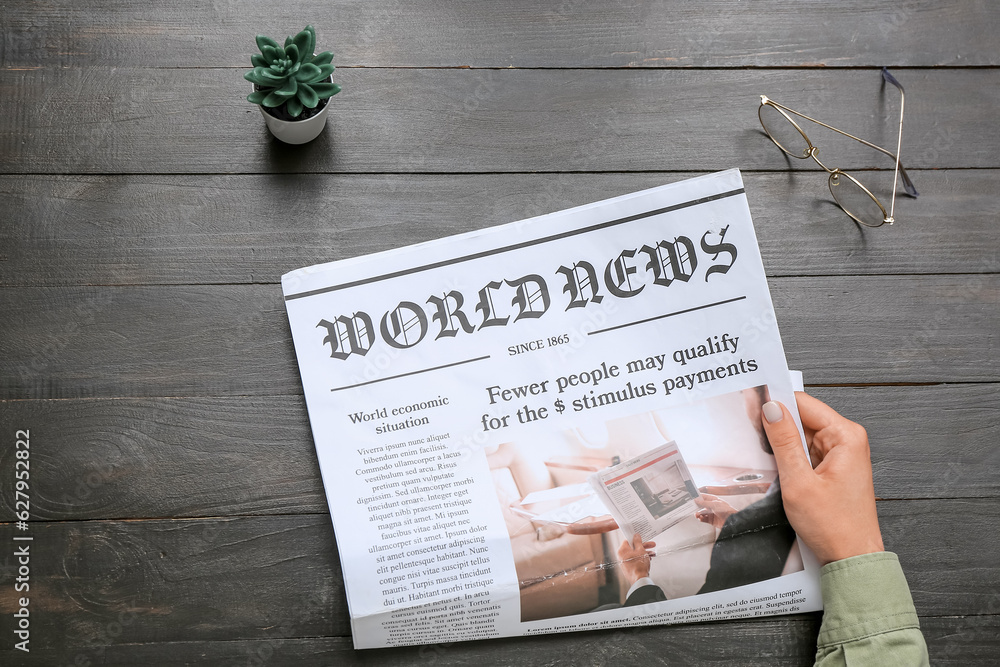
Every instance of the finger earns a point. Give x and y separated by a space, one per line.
815 414
816 453
649 545
624 549
636 542
785 441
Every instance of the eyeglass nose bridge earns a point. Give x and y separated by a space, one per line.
813 152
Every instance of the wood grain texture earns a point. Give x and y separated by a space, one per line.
129 230
133 120
182 457
510 33
278 577
203 457
180 580
968 641
79 342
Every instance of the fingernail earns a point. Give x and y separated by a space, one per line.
772 412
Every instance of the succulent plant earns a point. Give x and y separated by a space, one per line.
291 75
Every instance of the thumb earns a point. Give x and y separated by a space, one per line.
785 441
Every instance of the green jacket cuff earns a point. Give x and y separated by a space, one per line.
864 596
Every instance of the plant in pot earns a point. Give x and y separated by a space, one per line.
292 86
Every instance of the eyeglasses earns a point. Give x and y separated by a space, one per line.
856 199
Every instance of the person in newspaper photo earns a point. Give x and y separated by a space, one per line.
868 617
639 479
753 543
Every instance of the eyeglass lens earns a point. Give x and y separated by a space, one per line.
782 132
853 199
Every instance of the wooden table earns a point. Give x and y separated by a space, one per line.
177 510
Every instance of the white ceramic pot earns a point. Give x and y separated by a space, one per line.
296 131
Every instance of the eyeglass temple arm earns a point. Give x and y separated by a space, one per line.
899 140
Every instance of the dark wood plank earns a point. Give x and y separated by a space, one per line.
932 537
198 457
126 120
178 457
177 579
961 641
515 33
126 230
79 342
896 329
277 577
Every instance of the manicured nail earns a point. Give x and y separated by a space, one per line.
772 412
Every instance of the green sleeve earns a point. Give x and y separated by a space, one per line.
868 616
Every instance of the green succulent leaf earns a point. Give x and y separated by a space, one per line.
311 47
255 76
305 42
257 60
292 53
324 58
307 96
287 90
263 41
272 53
325 90
257 96
308 73
325 72
269 78
293 107
273 99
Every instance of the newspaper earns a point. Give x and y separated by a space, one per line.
465 393
649 493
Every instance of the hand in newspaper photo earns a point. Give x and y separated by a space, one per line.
714 510
634 556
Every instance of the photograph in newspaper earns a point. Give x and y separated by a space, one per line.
701 478
464 394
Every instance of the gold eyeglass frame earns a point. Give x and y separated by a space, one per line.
835 174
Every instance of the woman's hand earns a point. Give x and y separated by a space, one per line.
831 507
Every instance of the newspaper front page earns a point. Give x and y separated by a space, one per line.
497 414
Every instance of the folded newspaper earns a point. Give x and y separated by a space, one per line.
498 414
